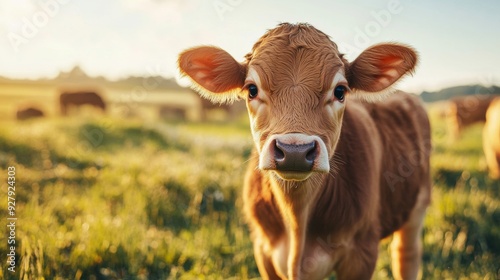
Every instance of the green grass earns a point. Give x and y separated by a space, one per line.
110 199
120 199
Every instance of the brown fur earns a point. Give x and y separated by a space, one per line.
491 138
378 182
24 113
277 56
465 111
67 99
381 176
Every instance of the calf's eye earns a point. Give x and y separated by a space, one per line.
339 93
253 91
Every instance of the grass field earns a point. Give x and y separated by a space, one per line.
110 198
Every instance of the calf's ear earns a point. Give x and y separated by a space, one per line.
377 68
214 73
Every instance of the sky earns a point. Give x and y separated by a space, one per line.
458 40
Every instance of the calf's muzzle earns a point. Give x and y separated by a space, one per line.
294 157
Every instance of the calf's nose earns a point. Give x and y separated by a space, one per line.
294 157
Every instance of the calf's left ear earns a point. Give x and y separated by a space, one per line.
215 74
377 68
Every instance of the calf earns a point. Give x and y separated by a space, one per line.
330 176
491 138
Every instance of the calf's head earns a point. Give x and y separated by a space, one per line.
295 83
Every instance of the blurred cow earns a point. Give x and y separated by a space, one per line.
172 112
466 110
67 99
231 110
29 112
491 138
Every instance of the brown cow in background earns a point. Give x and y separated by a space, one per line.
491 138
67 99
172 112
466 110
231 110
28 112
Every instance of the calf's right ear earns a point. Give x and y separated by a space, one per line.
214 73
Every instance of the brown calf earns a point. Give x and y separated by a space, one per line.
466 110
330 176
491 138
24 113
67 99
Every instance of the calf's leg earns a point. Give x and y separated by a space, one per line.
406 245
264 263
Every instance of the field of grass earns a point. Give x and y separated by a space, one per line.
109 198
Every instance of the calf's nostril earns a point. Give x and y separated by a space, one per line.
312 153
278 153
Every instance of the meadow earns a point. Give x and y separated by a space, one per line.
102 197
